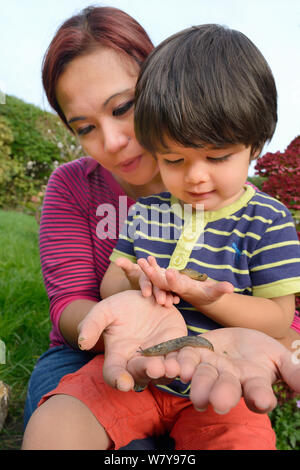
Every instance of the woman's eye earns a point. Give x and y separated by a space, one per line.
84 130
123 109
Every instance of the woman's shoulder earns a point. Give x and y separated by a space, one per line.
80 168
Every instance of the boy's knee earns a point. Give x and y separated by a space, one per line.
64 423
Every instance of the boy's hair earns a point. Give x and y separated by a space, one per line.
206 85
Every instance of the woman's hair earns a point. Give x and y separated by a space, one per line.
205 85
83 33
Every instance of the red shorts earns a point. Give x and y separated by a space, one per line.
130 415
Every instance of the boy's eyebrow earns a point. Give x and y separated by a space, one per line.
82 118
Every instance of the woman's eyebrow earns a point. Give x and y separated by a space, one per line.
77 118
82 118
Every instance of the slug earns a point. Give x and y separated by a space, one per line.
164 348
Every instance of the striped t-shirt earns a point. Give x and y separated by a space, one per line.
252 244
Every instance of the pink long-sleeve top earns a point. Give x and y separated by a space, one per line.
82 213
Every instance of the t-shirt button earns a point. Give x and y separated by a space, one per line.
178 260
188 236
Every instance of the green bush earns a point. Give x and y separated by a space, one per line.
33 142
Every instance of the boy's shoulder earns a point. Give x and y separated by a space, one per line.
267 204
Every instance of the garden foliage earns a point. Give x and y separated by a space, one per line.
282 173
282 180
32 144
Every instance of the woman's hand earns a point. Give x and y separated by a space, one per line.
195 292
129 322
244 363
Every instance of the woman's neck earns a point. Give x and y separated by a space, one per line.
135 192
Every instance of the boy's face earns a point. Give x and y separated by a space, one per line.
209 176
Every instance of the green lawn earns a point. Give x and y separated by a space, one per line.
25 326
24 320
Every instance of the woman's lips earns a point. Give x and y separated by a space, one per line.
130 165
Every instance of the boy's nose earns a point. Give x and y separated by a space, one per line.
196 174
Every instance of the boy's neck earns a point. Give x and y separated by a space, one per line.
155 186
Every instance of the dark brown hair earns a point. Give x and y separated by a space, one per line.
206 85
82 33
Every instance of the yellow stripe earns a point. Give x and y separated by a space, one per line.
146 237
279 227
242 235
278 288
221 266
125 238
247 217
197 330
277 263
150 222
119 254
256 203
274 246
152 207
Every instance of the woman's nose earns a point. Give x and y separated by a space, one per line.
114 139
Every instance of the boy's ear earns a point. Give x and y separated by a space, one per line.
255 155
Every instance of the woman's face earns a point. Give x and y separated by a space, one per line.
96 94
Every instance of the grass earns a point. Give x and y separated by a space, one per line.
24 319
25 326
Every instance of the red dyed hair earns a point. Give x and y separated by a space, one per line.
82 33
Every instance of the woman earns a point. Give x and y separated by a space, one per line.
89 76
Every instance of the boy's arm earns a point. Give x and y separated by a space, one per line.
271 316
217 300
115 280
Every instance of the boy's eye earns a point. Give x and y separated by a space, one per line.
173 162
84 130
218 160
123 109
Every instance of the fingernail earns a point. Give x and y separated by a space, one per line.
200 409
79 343
219 412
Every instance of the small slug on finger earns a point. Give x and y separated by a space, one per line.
194 274
164 348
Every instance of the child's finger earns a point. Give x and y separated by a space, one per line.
145 285
125 264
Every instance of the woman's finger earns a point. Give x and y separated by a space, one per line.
259 396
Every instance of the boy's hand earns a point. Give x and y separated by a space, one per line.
139 280
195 292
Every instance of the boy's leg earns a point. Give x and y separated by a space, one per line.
240 429
64 423
49 369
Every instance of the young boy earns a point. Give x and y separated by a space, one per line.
206 104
